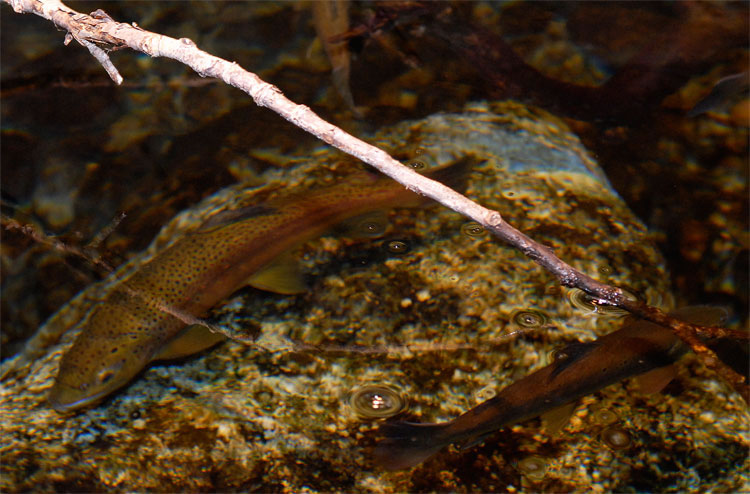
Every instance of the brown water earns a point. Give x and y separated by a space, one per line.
77 151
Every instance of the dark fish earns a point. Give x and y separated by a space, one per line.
331 18
725 90
579 369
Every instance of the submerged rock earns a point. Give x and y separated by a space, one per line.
442 320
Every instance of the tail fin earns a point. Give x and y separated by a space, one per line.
456 174
406 444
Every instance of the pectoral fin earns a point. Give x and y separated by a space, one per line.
192 339
554 420
655 380
283 276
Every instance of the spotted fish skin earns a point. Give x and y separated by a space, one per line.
146 311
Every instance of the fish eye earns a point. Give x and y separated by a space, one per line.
105 375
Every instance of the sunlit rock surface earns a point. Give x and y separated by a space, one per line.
447 320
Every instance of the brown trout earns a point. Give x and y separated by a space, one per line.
145 316
578 370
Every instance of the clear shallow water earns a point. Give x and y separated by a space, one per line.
439 321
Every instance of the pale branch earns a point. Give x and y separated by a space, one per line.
102 32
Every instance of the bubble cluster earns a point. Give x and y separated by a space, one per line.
377 401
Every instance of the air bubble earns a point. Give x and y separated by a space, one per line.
616 437
377 401
484 394
582 300
529 318
605 416
533 467
473 229
399 247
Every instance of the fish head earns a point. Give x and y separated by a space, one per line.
96 366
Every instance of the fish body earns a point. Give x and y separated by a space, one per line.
579 369
146 316
725 90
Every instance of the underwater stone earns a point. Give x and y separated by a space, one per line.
273 415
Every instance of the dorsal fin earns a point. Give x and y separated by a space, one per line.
233 215
705 315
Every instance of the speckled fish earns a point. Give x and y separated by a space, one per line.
138 321
579 369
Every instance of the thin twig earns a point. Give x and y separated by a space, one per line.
102 30
87 253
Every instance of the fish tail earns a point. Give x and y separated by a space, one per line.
456 174
406 444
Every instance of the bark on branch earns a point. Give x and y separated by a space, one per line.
99 32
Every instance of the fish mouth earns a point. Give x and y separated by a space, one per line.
63 398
